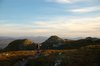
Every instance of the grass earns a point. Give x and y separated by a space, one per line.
11 54
85 56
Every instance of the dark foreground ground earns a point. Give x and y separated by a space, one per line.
85 56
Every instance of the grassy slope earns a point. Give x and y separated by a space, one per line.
85 56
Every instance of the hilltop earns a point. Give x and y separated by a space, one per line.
22 44
53 42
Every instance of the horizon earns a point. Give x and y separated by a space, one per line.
64 18
46 37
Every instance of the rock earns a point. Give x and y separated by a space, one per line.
23 44
52 43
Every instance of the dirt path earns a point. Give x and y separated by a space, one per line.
23 61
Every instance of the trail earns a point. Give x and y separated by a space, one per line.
23 61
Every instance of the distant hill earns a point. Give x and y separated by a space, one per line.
22 44
4 41
70 44
55 42
52 42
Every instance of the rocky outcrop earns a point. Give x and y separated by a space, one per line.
52 42
23 44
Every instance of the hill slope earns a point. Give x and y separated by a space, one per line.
23 44
52 42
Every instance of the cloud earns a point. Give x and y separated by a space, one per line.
65 1
73 24
72 27
86 9
60 1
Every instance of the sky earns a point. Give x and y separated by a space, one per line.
65 18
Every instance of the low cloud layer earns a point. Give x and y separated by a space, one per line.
86 9
69 1
72 27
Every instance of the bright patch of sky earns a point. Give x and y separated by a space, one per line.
73 18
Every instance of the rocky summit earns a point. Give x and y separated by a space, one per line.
52 42
22 44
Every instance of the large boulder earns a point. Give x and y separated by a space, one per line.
22 44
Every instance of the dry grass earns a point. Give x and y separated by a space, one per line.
11 54
85 56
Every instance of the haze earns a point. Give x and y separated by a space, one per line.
70 18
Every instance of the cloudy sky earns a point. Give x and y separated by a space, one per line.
66 18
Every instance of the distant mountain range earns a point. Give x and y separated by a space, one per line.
53 42
4 41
